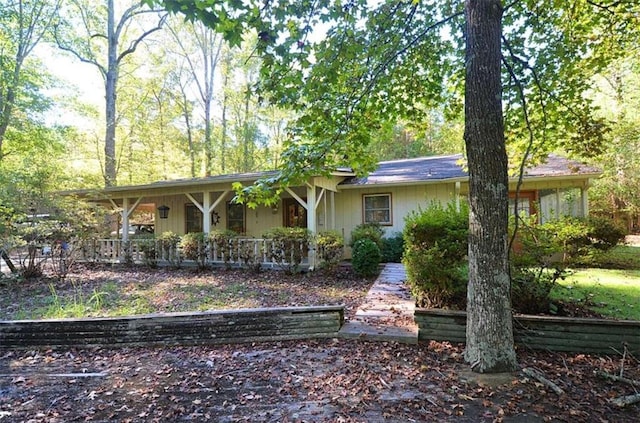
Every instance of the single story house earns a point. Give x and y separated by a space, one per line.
340 201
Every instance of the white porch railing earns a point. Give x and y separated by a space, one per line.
238 252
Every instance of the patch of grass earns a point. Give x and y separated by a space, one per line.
610 292
619 257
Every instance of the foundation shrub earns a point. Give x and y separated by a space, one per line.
392 248
435 255
365 258
288 247
330 247
371 231
194 247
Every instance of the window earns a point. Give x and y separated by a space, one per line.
235 217
526 203
377 209
193 219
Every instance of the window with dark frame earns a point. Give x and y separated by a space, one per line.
193 219
377 209
236 217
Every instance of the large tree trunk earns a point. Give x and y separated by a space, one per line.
490 346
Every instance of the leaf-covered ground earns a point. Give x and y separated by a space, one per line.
314 381
304 381
122 291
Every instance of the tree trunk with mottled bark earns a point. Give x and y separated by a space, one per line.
490 347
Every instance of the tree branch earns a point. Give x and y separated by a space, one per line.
540 378
134 44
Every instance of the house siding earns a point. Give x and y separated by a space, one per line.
404 200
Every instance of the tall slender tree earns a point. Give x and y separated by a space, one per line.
489 326
200 47
106 42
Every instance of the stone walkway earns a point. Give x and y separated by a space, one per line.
387 312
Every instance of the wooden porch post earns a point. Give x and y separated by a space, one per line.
311 221
125 219
333 210
125 213
584 196
206 212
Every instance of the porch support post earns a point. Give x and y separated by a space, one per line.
457 196
584 196
311 221
125 219
126 213
558 205
333 210
206 212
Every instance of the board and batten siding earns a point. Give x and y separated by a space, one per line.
404 200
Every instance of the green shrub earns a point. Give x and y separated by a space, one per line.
605 233
536 264
150 254
583 238
436 244
169 248
372 231
222 240
392 248
288 246
330 247
194 247
365 257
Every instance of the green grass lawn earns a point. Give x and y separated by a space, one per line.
613 293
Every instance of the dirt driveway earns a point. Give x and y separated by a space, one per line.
299 381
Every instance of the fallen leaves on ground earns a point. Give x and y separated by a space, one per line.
103 290
321 380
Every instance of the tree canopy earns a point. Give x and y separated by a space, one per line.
350 68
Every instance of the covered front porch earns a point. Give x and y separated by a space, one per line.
207 206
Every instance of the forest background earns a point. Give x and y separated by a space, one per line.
185 105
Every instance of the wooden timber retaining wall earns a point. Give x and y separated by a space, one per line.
540 332
215 327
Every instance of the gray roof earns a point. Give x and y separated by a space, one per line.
561 166
438 168
393 172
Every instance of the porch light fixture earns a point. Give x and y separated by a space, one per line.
163 211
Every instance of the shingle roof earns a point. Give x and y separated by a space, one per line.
561 166
438 168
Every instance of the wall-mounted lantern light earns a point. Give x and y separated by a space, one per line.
163 211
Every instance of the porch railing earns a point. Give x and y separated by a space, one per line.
240 252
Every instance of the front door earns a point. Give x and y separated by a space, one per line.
295 215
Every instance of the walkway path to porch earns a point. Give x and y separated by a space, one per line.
387 312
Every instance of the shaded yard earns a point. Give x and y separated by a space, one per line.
122 291
324 380
327 380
